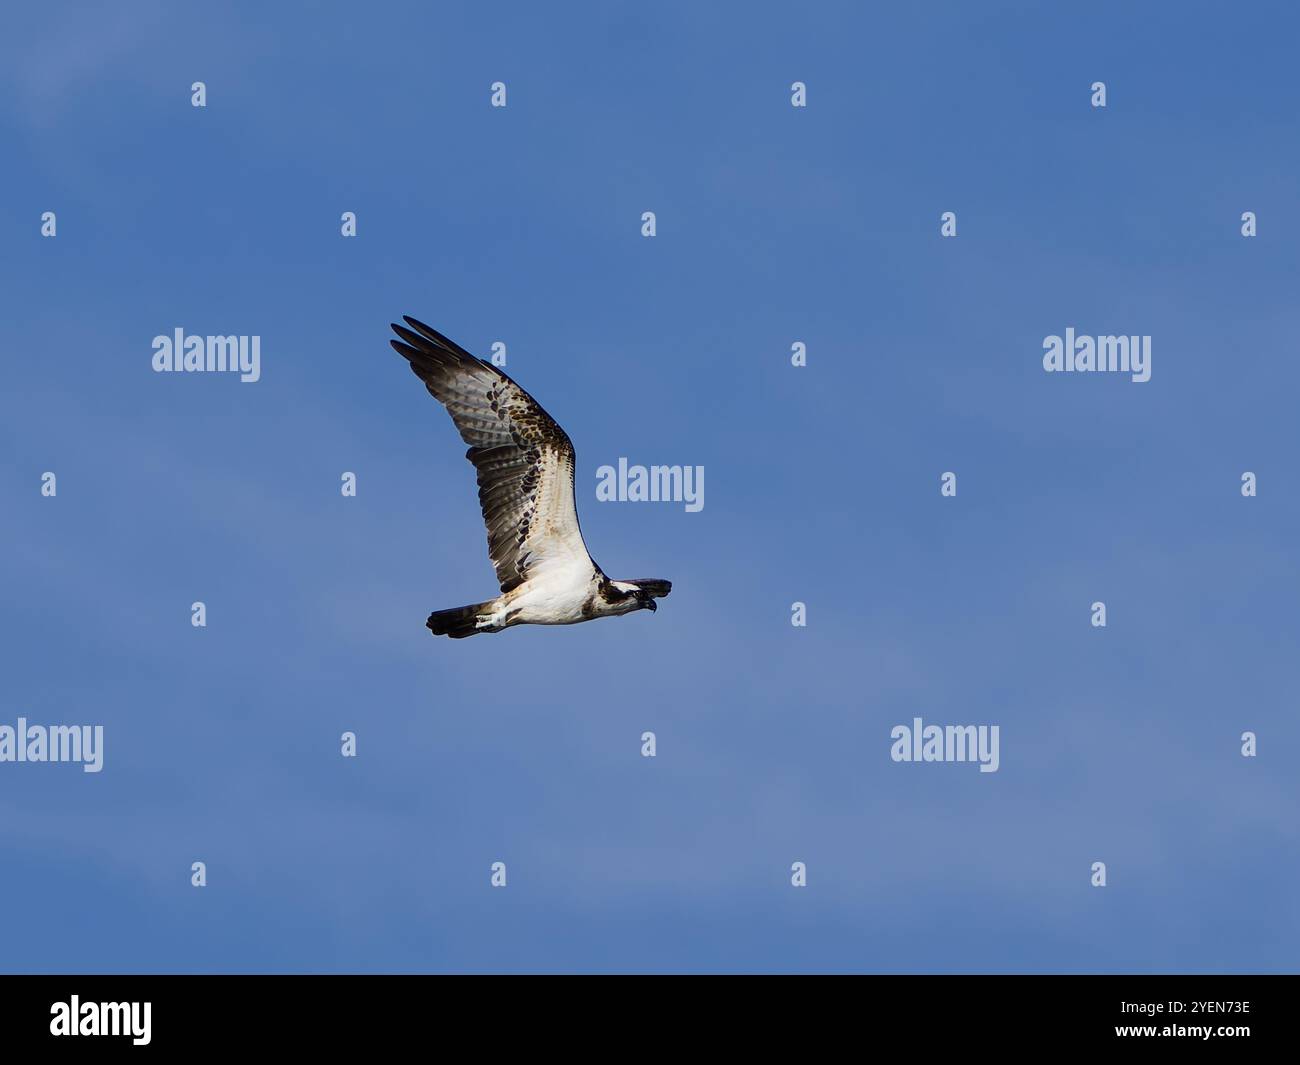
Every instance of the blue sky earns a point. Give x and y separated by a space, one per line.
775 225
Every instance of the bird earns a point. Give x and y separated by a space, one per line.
525 465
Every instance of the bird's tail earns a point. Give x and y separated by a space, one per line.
460 621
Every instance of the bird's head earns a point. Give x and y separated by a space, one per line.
624 597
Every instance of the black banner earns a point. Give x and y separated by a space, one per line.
1227 1014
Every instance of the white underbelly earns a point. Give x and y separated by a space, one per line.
551 598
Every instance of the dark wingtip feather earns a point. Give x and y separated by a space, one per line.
432 335
413 339
412 355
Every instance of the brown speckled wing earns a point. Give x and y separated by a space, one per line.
523 458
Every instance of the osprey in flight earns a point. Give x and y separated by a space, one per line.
525 487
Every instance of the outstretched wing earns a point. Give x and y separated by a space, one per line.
523 458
